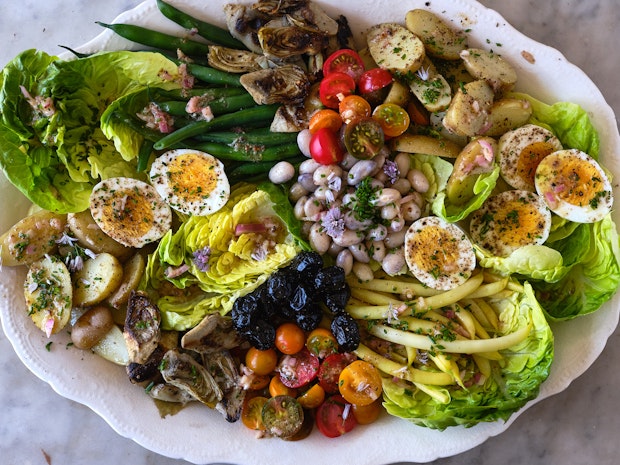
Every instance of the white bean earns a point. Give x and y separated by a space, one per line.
305 228
379 159
306 181
402 185
324 173
403 161
363 271
296 192
395 239
377 250
281 172
345 261
382 177
308 166
417 198
348 238
389 212
303 142
313 207
348 161
334 250
359 171
386 196
377 233
397 224
300 205
324 193
394 262
351 222
360 252
319 240
418 180
377 184
410 211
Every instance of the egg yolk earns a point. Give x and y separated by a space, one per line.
529 159
576 183
519 223
130 211
193 177
435 251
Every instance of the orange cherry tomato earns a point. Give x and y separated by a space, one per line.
352 107
321 342
366 414
258 382
251 413
394 119
261 362
313 397
417 113
277 388
325 118
360 383
290 338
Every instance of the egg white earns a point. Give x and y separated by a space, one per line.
438 253
190 181
520 152
130 211
574 186
510 220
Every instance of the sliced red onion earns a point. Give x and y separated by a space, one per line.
248 228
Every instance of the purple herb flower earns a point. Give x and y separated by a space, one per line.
333 222
201 258
390 168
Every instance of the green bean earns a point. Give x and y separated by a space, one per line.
157 40
257 154
144 154
260 113
257 169
213 76
262 136
207 31
219 106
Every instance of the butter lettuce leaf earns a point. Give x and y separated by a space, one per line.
514 380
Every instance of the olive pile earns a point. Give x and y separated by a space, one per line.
298 292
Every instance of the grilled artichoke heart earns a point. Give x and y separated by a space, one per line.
232 60
170 393
213 333
142 330
290 41
286 84
183 371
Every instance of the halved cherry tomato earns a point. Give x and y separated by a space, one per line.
299 369
364 138
313 397
325 118
335 417
261 362
325 147
374 79
330 369
258 382
344 61
366 414
394 119
360 383
334 88
321 342
277 388
353 107
252 412
417 113
290 338
282 416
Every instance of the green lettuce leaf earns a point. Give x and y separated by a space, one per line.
515 379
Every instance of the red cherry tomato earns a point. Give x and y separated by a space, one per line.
335 417
329 371
344 61
299 369
325 147
334 88
374 79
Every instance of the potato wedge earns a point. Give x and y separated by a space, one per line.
431 88
439 39
476 158
419 143
507 114
490 67
133 269
48 294
112 347
90 236
98 278
468 112
395 48
31 238
399 94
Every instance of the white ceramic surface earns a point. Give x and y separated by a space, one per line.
202 436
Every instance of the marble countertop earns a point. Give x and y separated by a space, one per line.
577 426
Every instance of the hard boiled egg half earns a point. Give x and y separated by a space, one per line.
574 186
130 211
438 253
190 181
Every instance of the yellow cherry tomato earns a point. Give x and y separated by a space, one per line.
366 414
251 412
394 119
277 388
313 397
290 338
360 383
261 362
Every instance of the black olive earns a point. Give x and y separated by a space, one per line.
244 310
261 334
281 284
336 300
307 264
310 317
302 297
329 279
267 307
347 333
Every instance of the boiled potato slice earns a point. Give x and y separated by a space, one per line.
112 347
31 238
48 294
490 67
476 158
395 48
468 112
133 270
431 88
507 114
439 39
427 145
98 278
90 236
91 327
399 94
